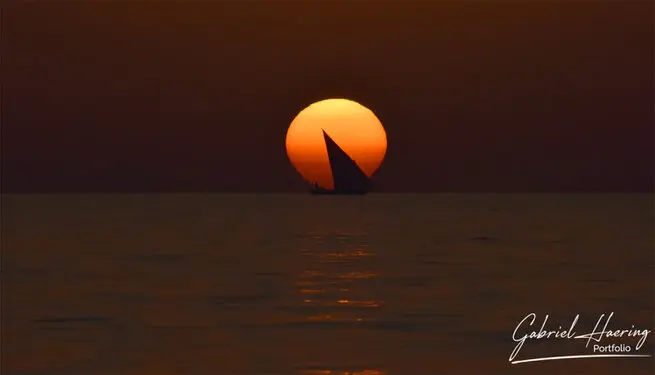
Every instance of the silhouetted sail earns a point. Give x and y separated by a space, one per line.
348 177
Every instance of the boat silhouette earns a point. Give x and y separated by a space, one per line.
348 177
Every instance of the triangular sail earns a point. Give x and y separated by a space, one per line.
347 175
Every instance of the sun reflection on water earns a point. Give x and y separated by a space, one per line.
332 372
336 290
333 287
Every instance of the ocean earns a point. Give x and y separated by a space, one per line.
408 284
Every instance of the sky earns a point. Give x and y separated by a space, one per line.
488 96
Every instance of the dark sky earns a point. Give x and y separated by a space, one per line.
197 96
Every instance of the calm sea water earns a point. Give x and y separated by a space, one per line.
296 284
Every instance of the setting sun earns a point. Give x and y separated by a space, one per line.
352 126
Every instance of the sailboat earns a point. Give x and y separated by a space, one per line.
348 177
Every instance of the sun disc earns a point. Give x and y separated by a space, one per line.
351 125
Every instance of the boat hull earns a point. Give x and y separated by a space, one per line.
332 192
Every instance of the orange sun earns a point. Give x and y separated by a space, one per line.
352 126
